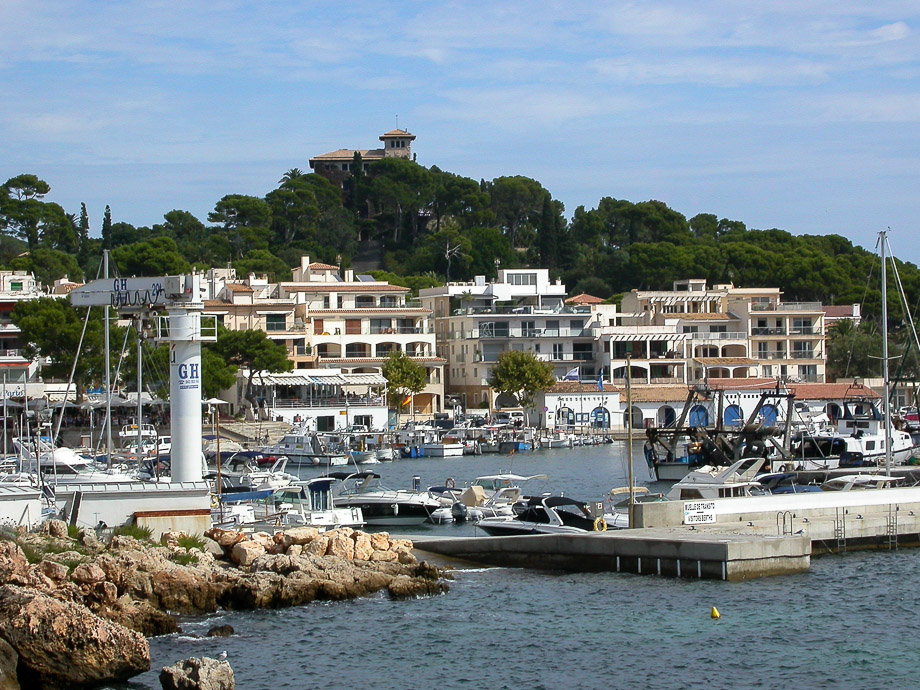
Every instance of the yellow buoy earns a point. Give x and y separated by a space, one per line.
714 614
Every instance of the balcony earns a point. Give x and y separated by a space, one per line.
727 335
771 354
803 330
804 354
758 330
495 334
785 306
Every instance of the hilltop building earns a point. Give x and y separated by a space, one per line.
336 166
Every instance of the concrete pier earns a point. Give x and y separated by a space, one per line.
722 555
748 537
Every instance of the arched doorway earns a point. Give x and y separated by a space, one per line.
638 419
733 416
768 415
565 416
699 416
600 418
667 416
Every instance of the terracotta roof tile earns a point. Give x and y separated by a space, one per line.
238 287
584 298
323 267
581 387
341 287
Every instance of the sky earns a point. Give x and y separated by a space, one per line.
798 115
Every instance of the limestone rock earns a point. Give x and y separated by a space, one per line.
294 550
221 631
8 660
198 674
383 557
57 529
318 546
245 552
88 574
226 538
139 616
213 548
126 543
380 541
297 535
264 539
341 545
13 564
363 546
64 645
54 571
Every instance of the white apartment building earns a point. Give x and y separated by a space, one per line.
694 332
329 319
15 286
522 310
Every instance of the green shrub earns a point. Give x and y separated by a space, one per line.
184 558
142 533
73 531
191 542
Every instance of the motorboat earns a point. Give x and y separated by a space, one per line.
784 483
305 447
546 515
491 495
303 504
144 434
62 465
859 482
719 482
380 505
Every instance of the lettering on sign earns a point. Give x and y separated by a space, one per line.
189 375
122 296
699 512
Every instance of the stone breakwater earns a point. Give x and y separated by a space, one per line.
75 612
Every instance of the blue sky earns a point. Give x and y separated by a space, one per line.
795 115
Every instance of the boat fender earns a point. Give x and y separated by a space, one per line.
600 525
714 614
395 509
450 483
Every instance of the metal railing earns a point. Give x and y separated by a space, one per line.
759 330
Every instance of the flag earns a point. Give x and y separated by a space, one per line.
600 380
406 400
571 375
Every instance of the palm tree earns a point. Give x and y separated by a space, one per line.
291 175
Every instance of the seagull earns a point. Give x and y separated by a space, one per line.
222 656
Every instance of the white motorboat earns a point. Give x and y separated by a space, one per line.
307 504
859 482
719 482
305 447
382 506
60 465
490 495
546 515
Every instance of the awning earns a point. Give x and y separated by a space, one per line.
365 379
647 337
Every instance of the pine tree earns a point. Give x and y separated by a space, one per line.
107 228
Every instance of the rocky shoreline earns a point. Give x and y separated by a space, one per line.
75 611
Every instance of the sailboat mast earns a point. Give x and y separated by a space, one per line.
140 407
886 417
108 367
629 443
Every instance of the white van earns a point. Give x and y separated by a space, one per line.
510 415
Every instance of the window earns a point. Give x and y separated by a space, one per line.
352 326
340 301
552 328
275 322
528 329
576 326
690 329
557 350
718 329
15 287
326 302
522 279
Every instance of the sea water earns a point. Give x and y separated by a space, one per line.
848 623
